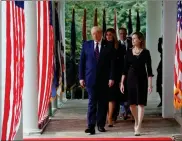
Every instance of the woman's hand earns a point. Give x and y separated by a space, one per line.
122 88
150 89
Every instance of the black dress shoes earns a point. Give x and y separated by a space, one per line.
160 104
101 129
110 125
90 130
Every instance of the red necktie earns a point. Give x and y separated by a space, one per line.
97 51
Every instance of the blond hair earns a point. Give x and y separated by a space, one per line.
96 28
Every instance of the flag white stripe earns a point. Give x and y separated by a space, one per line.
41 49
3 59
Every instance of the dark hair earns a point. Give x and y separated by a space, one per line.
122 28
141 38
112 30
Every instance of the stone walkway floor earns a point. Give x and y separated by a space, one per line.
70 121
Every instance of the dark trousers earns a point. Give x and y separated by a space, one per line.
97 107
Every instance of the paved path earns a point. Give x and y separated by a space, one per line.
70 121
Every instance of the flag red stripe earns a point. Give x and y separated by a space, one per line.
44 59
48 73
14 65
48 68
14 70
20 60
178 58
8 72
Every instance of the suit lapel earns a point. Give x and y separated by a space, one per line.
102 48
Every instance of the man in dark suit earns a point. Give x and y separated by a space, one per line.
159 72
96 72
123 39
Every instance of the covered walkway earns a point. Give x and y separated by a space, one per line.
70 121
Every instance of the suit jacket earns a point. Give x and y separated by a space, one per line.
97 73
120 54
129 44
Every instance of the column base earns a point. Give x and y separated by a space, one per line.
32 132
29 132
178 118
177 137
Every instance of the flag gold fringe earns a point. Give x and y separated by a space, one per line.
177 100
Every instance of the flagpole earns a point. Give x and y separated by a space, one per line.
62 23
59 89
54 100
30 90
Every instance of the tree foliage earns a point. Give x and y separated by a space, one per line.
122 8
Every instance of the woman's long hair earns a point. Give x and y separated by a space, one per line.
115 41
141 38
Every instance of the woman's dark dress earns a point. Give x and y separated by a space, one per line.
137 76
115 94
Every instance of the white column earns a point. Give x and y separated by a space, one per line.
62 24
169 32
153 32
30 91
19 134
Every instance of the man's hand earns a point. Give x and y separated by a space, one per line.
82 83
111 83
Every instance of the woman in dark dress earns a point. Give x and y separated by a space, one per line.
139 80
115 93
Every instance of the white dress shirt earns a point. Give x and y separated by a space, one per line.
124 43
99 44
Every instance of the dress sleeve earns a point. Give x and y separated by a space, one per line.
113 59
126 64
149 64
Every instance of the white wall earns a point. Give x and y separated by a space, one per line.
169 25
153 32
19 134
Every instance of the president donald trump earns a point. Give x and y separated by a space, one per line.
96 73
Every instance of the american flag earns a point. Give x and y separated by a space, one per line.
13 43
178 60
45 57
